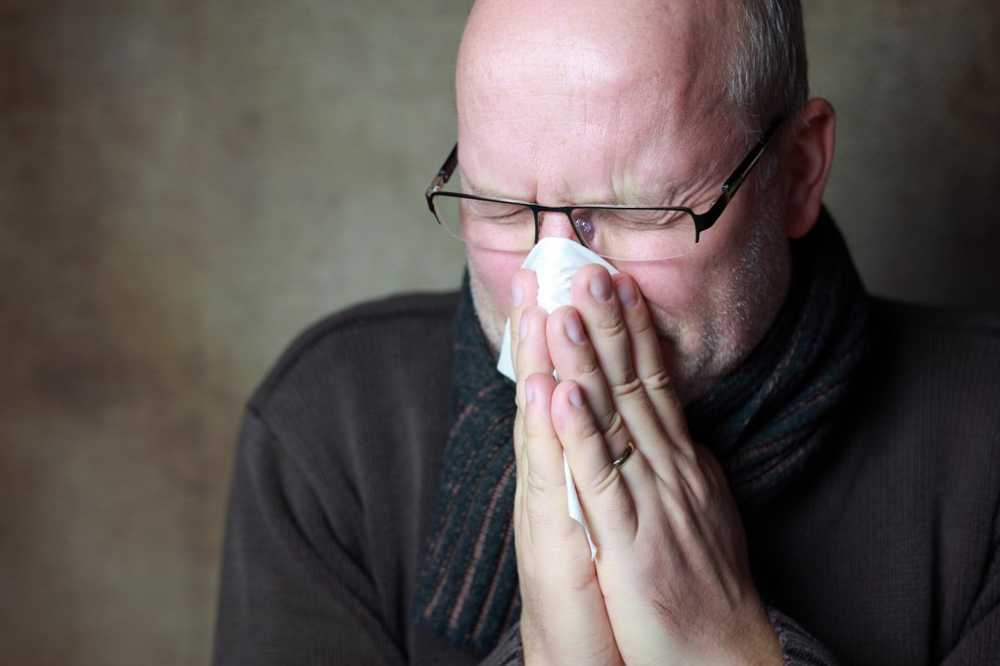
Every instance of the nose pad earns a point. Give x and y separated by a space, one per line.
555 224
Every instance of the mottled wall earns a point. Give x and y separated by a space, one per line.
915 180
185 185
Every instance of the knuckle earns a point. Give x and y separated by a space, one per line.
642 323
615 427
631 388
686 468
658 381
612 326
680 515
586 430
587 366
605 485
604 480
670 484
697 484
686 449
602 653
574 579
538 486
536 518
539 520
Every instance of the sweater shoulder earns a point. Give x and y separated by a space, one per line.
953 351
962 325
936 367
335 339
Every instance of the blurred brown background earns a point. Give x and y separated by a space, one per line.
186 185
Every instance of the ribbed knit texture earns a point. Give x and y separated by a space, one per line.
468 579
798 647
764 422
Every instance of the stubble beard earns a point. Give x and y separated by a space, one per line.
741 315
698 359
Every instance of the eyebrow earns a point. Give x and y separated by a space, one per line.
484 192
641 200
645 199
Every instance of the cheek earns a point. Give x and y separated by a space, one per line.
691 282
496 270
668 287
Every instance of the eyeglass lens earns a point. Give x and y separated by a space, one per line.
628 234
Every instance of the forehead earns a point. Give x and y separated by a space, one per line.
603 103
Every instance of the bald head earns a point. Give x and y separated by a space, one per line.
639 81
667 50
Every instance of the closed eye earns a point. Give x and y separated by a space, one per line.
635 217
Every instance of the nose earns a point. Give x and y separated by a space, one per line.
555 224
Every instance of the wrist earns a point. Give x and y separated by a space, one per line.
756 643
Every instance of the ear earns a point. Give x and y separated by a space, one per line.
808 155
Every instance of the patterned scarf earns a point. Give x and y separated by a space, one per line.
763 422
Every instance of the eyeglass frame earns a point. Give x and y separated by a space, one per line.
702 221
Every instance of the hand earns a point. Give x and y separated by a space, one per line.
563 617
672 564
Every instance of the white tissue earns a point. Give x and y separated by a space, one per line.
555 261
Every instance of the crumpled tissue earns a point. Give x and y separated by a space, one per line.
555 261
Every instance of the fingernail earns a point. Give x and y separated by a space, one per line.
529 394
575 397
600 287
626 292
574 331
524 329
517 293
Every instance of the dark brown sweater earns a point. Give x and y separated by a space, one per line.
888 552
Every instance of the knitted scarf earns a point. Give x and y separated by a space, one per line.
763 422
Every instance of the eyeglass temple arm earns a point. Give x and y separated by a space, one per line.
729 188
444 173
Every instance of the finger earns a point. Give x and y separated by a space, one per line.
524 294
558 539
574 359
532 349
597 301
532 353
558 581
604 495
649 365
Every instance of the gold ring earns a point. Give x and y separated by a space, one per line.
620 460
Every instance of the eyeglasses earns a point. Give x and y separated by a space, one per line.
627 233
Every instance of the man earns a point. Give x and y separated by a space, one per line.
774 466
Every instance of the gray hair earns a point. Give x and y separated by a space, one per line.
768 72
